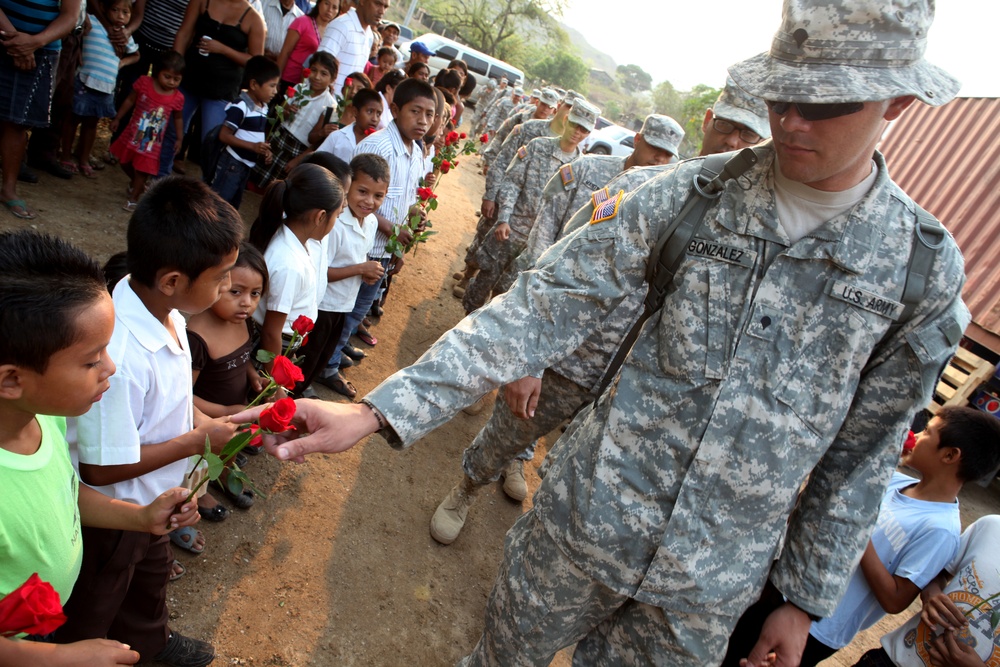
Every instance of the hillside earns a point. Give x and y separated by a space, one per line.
590 54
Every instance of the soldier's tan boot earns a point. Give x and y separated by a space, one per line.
514 484
458 291
478 406
450 515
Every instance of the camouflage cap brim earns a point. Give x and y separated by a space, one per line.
773 79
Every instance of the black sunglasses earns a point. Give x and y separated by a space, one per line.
814 112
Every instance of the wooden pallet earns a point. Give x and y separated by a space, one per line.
964 374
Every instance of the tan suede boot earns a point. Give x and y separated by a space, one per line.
514 484
450 515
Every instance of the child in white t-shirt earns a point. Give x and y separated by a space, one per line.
347 251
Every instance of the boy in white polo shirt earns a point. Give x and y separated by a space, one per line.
349 243
182 242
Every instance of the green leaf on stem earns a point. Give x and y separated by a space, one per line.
215 465
265 356
234 446
234 481
994 619
432 204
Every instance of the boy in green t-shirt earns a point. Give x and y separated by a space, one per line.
56 319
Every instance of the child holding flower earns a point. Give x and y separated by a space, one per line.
303 107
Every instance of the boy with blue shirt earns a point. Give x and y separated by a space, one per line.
55 323
243 132
182 242
916 534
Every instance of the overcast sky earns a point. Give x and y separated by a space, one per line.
688 43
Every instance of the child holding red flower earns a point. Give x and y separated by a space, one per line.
58 320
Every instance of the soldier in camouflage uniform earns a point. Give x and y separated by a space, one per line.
485 100
780 362
502 109
519 136
519 196
574 185
548 101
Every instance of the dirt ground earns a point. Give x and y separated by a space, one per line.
336 566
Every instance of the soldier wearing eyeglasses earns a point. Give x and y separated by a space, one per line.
750 434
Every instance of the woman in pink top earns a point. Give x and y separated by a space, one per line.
302 40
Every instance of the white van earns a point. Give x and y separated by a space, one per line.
481 66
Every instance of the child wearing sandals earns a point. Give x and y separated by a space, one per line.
295 215
291 138
154 102
94 88
222 368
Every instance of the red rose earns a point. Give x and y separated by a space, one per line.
485 138
348 81
451 138
302 325
290 92
306 72
424 193
445 167
462 136
370 130
911 442
277 417
256 439
285 373
455 163
305 339
33 608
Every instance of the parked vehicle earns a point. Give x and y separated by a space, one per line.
611 140
481 66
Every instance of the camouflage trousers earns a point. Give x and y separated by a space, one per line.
493 257
483 227
505 437
541 602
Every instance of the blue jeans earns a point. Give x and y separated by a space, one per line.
366 297
230 178
213 112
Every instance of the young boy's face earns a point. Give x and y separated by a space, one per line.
119 14
415 117
365 195
386 62
925 451
263 92
194 296
76 376
369 115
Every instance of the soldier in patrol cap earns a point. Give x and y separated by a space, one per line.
519 196
738 119
757 418
544 107
503 109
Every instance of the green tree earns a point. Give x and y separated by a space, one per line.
634 78
562 69
667 100
693 107
493 26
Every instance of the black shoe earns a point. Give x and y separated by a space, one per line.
182 651
345 361
241 459
25 175
354 353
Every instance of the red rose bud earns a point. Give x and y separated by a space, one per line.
285 373
462 136
257 439
451 138
911 442
290 92
33 608
277 417
306 73
445 167
302 325
455 163
348 81
485 138
370 130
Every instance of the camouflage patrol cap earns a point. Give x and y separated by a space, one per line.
536 93
739 106
663 132
584 114
519 91
829 51
491 84
549 97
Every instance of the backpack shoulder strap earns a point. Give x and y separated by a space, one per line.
929 236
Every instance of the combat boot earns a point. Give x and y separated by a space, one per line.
514 484
450 515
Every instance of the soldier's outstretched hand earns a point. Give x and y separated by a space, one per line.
319 427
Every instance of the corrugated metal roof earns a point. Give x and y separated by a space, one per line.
948 159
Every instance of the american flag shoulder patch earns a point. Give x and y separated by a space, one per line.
522 152
600 196
566 174
516 131
607 209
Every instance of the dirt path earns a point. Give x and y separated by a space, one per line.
336 566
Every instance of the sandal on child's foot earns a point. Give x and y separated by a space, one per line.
87 170
187 538
96 164
367 338
129 205
177 570
339 385
69 166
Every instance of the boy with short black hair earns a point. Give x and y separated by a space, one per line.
243 131
368 113
916 534
347 248
56 319
183 239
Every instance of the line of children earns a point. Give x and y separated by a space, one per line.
94 86
56 320
154 102
295 215
243 132
182 243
